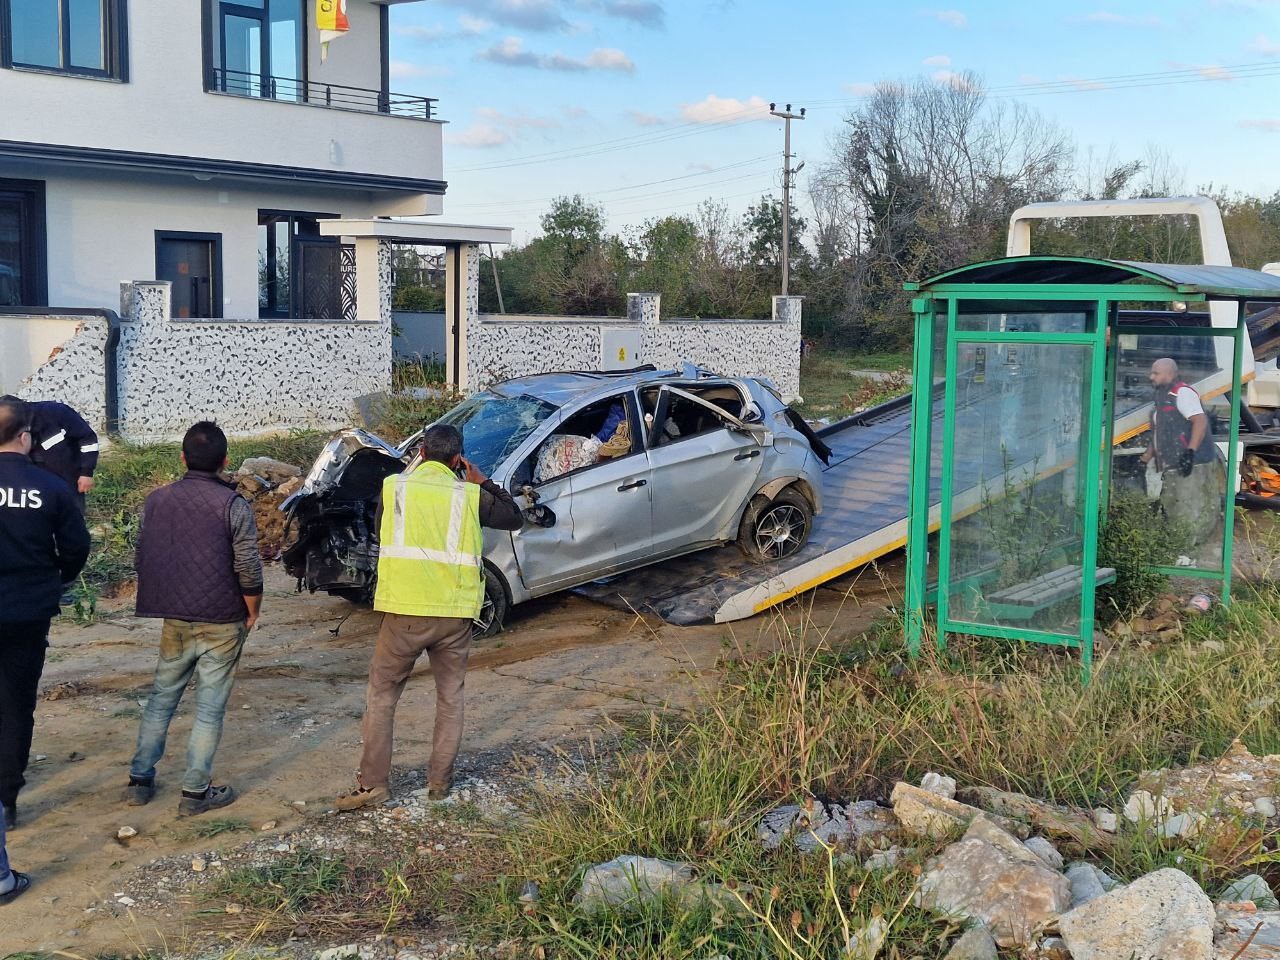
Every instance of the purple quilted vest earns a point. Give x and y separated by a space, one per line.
186 565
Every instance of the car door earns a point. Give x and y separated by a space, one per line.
600 515
704 474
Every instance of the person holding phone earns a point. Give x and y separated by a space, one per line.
430 590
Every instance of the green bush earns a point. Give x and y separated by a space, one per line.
419 300
1134 539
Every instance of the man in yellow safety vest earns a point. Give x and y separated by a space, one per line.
430 589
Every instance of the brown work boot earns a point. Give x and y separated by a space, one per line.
362 796
437 791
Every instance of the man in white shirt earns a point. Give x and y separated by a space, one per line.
1193 490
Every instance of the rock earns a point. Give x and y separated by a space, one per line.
1224 788
1260 929
1183 825
1162 916
289 487
529 892
126 833
350 951
976 943
864 944
937 783
1087 883
1144 807
1107 821
125 901
818 823
198 864
628 880
1066 825
990 877
1213 646
1053 948
1046 851
926 814
1264 807
1252 888
886 859
269 825
269 469
234 908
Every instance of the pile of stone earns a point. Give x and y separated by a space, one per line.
266 484
1015 875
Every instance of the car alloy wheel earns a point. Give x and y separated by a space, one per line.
780 531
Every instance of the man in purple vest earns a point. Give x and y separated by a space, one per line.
198 569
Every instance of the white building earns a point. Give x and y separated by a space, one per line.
200 142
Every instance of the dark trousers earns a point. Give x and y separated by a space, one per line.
22 649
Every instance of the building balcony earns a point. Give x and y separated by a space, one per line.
332 95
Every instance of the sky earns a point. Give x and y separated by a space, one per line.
649 107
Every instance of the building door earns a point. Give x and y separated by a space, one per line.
261 48
23 281
318 279
192 263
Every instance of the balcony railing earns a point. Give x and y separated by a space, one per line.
321 94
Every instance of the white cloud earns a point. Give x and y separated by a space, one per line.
1119 19
1271 125
474 26
480 136
576 113
1261 44
647 13
404 70
952 18
941 60
510 52
642 119
724 109
511 121
424 34
861 89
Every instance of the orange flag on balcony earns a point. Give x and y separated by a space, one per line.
331 21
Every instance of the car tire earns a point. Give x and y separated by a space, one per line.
496 603
773 530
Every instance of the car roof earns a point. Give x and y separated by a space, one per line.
560 388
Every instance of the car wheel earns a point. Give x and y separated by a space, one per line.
494 610
775 529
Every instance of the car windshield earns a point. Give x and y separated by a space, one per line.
493 426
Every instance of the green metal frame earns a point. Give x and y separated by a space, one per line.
1096 440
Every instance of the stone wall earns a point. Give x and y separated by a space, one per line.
75 372
506 345
251 376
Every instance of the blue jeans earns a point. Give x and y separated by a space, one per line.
4 857
211 651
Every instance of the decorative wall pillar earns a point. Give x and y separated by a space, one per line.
645 308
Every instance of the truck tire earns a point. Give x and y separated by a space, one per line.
775 529
496 604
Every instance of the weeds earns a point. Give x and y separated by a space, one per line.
419 396
813 720
209 829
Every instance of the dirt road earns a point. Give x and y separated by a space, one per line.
554 676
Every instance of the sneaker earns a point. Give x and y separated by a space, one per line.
139 792
192 805
23 883
437 791
362 797
10 816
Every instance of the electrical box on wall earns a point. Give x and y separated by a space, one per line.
619 349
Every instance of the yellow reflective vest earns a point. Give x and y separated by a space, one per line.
430 545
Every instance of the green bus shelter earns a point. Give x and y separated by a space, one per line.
1032 406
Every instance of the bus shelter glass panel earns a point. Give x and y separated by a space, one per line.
1017 488
1174 429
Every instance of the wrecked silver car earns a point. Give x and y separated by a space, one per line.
613 470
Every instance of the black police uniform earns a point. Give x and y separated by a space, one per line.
63 443
43 544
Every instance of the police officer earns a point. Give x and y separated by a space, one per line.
64 444
43 544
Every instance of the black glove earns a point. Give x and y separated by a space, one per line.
1186 460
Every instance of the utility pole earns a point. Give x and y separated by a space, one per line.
787 173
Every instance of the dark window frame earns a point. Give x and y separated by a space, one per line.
215 266
289 311
211 14
115 29
33 192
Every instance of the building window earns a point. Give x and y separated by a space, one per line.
23 281
192 263
289 243
258 48
85 37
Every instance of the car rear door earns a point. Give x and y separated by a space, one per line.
702 476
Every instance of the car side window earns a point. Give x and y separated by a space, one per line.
684 418
602 431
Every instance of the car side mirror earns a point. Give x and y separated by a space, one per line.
539 515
